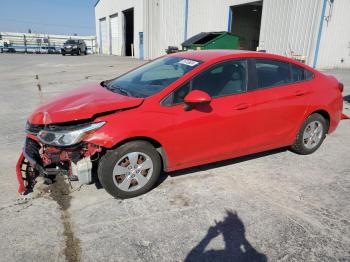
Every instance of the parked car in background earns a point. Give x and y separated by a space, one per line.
74 47
181 110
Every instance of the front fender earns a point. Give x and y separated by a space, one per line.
134 125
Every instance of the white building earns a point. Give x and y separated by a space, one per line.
317 30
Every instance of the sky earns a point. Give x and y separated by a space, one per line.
48 16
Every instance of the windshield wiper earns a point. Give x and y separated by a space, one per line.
122 91
117 89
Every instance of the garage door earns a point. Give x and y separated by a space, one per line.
103 37
113 25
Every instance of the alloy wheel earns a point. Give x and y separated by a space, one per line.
312 135
132 171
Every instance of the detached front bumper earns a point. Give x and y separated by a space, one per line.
38 159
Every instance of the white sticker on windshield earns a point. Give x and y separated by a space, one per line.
188 62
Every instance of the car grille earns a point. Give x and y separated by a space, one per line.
31 150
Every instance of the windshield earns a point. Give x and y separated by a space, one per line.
71 42
153 77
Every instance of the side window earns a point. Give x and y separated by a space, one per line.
272 73
300 74
308 75
224 79
180 93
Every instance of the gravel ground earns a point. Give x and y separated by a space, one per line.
275 206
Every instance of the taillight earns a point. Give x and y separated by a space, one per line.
341 87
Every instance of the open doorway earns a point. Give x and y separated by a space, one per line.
245 23
128 31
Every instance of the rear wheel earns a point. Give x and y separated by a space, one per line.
130 170
311 135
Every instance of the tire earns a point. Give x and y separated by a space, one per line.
85 52
302 143
63 54
117 161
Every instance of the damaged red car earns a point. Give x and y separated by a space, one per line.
179 111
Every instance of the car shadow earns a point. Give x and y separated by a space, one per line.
347 98
223 163
237 247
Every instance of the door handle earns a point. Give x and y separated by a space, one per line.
299 93
241 106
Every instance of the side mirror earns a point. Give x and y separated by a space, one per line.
196 97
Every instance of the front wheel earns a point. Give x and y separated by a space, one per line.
130 170
311 135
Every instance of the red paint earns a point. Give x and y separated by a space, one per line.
21 187
82 103
197 97
343 117
228 127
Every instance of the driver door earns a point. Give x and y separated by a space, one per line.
213 131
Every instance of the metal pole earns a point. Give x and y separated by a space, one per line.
25 44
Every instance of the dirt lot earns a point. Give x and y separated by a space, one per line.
275 206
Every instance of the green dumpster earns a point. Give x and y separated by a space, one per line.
211 40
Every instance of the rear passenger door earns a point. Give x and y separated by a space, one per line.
280 101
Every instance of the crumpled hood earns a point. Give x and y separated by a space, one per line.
82 103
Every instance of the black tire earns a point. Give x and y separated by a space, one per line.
299 146
111 158
63 54
85 52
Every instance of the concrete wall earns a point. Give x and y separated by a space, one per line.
107 8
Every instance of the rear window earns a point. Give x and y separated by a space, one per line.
300 74
272 73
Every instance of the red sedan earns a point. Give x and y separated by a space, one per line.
178 111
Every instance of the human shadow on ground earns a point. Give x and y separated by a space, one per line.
237 248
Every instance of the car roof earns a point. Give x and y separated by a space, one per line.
209 55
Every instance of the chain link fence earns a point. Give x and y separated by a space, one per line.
40 43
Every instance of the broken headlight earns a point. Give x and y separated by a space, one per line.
67 137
